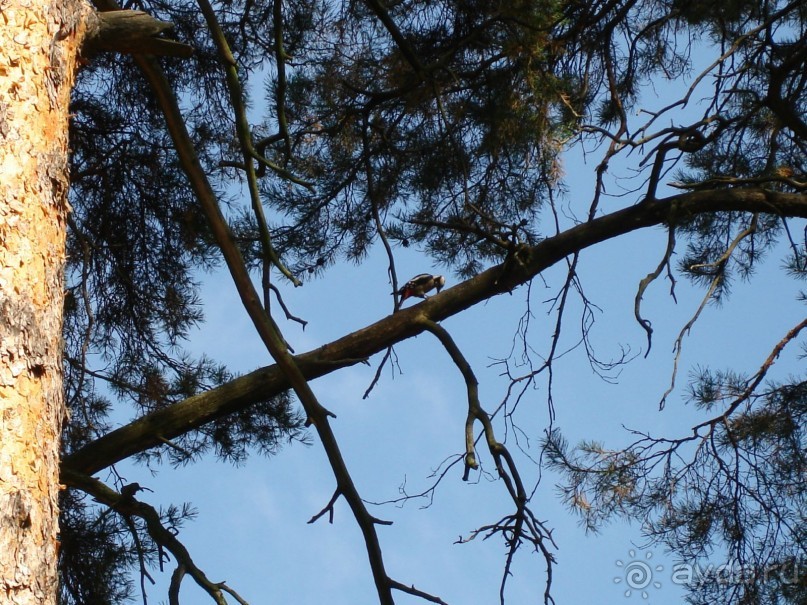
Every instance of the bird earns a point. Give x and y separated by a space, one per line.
420 284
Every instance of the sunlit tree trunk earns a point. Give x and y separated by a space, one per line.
39 42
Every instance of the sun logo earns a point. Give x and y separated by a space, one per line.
638 574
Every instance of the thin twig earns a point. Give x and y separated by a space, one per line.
719 264
522 525
327 508
648 279
283 306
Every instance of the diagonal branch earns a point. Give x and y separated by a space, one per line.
131 31
264 383
406 49
245 137
757 379
719 266
264 324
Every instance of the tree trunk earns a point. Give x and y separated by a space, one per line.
39 41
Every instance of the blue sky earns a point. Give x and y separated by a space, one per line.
252 526
252 530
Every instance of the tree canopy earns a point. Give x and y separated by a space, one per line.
303 134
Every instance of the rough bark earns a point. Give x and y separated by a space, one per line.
39 41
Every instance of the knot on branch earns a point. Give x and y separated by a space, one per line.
691 141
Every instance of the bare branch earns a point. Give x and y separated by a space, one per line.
417 593
387 354
328 508
522 525
283 306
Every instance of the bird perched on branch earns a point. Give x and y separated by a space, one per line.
420 284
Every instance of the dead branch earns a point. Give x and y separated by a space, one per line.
522 526
283 306
328 508
648 279
719 264
415 592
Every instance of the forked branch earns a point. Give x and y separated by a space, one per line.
522 526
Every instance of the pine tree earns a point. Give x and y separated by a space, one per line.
302 134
